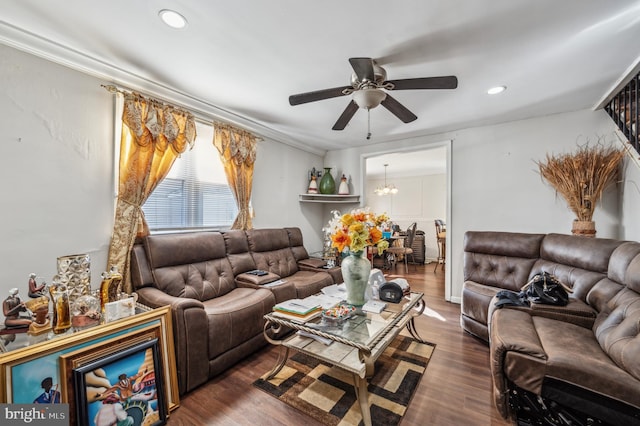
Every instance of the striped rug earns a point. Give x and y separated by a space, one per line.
327 394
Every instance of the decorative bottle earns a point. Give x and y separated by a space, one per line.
110 287
343 189
313 185
327 184
60 298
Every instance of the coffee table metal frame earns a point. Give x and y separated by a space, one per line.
354 352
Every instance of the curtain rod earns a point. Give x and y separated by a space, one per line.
198 115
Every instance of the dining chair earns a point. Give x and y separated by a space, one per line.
441 240
406 249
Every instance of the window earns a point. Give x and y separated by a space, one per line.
195 194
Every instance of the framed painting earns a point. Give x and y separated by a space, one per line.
73 360
29 371
124 386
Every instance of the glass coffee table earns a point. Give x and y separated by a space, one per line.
354 344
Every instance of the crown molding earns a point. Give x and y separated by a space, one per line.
36 45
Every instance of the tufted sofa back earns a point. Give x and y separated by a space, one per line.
580 263
192 265
271 251
617 327
296 243
500 260
238 254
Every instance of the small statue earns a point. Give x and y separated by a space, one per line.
313 185
343 189
61 321
12 307
40 309
110 287
35 290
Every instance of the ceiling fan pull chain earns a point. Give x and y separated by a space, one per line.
368 123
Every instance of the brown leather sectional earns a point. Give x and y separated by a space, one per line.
585 355
217 308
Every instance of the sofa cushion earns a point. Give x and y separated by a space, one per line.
308 283
296 244
591 254
585 364
180 249
576 312
624 265
617 329
581 281
236 317
190 265
476 299
499 259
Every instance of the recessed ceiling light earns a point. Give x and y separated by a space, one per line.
496 90
172 18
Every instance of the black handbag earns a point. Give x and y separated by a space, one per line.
546 289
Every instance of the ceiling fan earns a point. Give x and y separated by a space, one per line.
368 86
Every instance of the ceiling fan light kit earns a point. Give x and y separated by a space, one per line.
369 98
368 85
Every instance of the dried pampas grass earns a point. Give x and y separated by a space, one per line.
582 177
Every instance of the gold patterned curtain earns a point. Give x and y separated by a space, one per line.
153 136
237 150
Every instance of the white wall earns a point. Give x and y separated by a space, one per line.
280 175
57 168
495 184
57 172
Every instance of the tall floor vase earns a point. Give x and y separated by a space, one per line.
355 272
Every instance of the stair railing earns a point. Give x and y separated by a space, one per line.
624 109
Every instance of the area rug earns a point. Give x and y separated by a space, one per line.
327 394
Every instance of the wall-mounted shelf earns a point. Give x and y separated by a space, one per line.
329 198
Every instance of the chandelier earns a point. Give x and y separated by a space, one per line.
387 189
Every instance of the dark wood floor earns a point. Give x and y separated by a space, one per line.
455 390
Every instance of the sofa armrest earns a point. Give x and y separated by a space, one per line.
189 321
511 330
315 264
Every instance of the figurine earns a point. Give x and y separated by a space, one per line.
35 290
313 185
11 308
61 321
110 287
40 308
343 189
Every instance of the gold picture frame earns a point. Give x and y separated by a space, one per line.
43 359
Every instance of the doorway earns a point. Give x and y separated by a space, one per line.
422 177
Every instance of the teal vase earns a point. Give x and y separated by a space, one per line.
327 184
355 273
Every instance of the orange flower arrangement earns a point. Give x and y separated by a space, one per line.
358 229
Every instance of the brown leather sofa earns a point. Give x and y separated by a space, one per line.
584 356
217 308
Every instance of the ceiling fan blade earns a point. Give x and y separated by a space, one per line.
363 68
448 82
346 116
318 95
398 109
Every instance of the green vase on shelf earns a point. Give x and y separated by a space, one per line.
327 184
